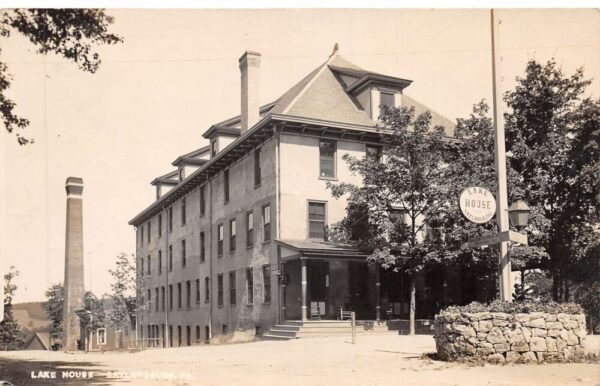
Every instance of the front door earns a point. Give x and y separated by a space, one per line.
318 285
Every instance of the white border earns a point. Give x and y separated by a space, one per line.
259 4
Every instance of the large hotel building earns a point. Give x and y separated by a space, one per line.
236 241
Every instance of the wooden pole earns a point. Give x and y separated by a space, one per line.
413 290
377 294
304 290
504 269
353 322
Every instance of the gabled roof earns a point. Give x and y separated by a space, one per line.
42 337
171 178
193 157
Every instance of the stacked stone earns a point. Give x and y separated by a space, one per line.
501 337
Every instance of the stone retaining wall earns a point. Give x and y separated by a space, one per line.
500 337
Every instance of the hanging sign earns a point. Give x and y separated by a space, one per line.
477 204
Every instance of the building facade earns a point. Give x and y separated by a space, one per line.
236 240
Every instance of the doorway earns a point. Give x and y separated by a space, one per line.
318 288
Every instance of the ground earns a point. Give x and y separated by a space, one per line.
376 359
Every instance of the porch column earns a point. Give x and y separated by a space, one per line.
377 294
304 287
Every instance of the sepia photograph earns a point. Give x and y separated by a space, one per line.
275 195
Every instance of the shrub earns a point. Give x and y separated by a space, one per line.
526 306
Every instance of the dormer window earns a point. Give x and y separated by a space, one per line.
386 99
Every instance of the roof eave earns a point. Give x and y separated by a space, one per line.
373 78
163 200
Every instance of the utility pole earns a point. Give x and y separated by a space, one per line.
504 270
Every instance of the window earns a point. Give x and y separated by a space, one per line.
226 185
179 335
183 253
220 290
170 258
162 298
171 336
206 290
159 262
188 294
149 230
197 334
170 219
178 295
232 232
197 290
160 225
373 153
249 228
101 336
170 296
148 272
142 266
327 150
267 283
149 294
316 220
213 148
142 235
397 216
224 329
220 240
386 99
266 223
257 167
183 211
156 299
202 200
188 335
202 247
232 290
250 285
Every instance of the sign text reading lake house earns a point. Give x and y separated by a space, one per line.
477 204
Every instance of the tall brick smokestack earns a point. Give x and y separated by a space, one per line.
249 69
73 283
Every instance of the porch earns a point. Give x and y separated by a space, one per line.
319 278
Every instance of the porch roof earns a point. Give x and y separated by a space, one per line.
317 249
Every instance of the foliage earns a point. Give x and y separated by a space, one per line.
385 213
552 135
515 307
10 331
123 291
93 315
70 33
54 309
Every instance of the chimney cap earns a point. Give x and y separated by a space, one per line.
74 181
248 53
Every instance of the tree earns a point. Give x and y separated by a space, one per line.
70 33
123 291
399 198
93 315
10 331
552 137
54 310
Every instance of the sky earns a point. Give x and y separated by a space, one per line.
176 73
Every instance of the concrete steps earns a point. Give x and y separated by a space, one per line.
293 329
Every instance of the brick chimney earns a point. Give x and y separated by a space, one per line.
73 281
249 68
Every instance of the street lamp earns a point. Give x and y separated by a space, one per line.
518 213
